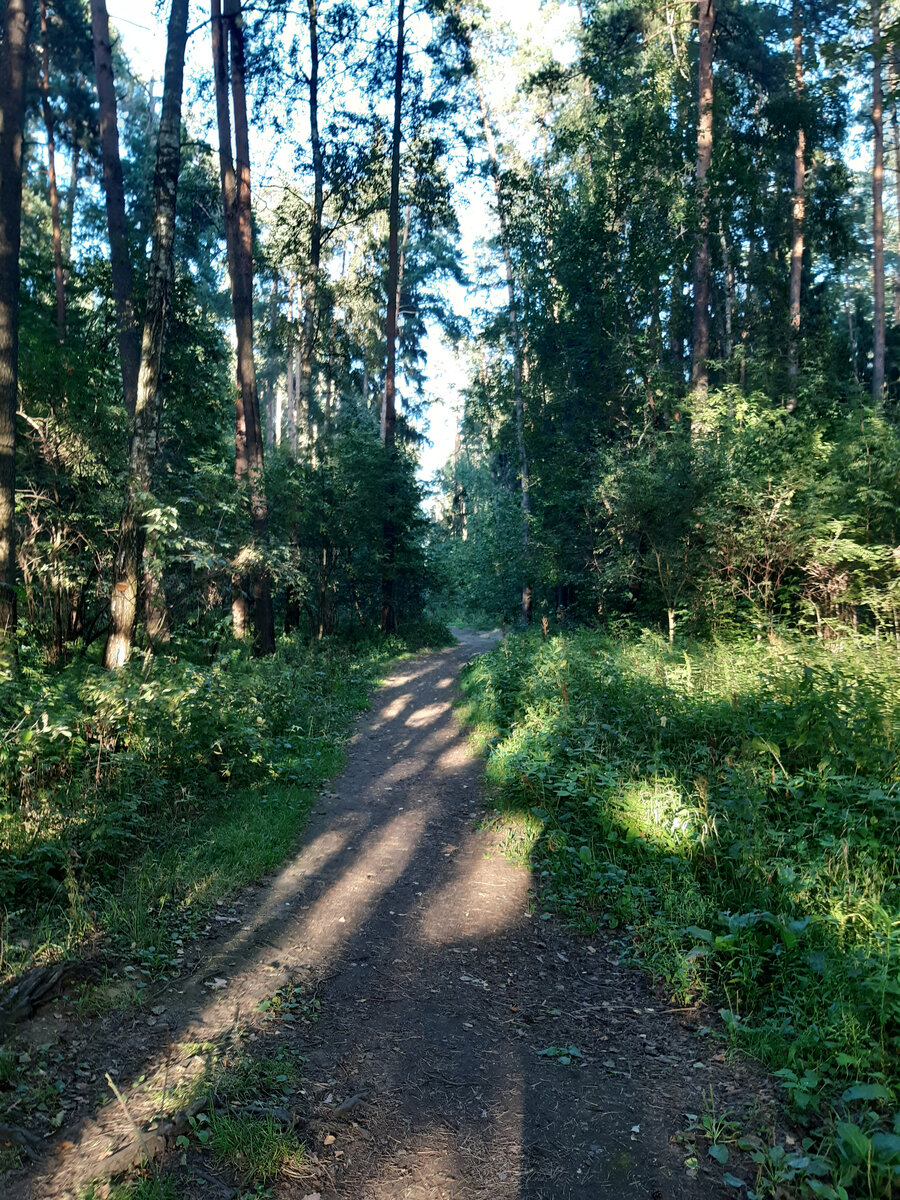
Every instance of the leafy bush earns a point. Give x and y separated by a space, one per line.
155 789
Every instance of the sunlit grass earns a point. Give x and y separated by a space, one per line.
259 1147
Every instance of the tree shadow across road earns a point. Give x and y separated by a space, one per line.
466 1048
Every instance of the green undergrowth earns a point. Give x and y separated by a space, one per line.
131 801
735 809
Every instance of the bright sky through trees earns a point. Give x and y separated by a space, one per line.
143 36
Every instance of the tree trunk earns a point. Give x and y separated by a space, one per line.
878 310
148 410
388 407
895 129
798 217
389 403
513 310
700 343
13 64
228 34
114 189
306 382
240 607
728 343
47 113
70 201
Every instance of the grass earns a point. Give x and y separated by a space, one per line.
260 1148
734 809
133 801
259 1145
148 1187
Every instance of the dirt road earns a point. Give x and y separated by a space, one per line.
436 986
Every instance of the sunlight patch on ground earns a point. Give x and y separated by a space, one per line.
484 897
426 716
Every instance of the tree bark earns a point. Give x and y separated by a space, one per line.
878 308
513 311
895 129
148 409
49 126
389 402
70 201
114 190
228 35
700 340
728 343
388 407
798 216
13 65
306 383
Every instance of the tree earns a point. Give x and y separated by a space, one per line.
700 340
878 313
389 402
117 221
227 28
148 407
310 313
798 212
49 127
13 61
472 69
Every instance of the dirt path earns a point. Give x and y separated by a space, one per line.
422 1076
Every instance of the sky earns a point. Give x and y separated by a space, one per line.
144 37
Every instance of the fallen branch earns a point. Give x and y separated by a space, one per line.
149 1144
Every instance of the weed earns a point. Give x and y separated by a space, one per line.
146 1187
292 1003
258 1147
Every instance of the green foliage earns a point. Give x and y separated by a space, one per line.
735 809
147 1187
259 1147
132 800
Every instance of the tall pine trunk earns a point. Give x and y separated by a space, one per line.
228 68
13 64
148 408
798 216
114 190
306 384
878 308
389 403
74 176
49 126
700 341
895 130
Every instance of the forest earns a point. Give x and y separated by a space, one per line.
646 254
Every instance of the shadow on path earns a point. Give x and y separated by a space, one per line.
438 992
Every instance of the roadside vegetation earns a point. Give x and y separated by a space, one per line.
136 799
733 809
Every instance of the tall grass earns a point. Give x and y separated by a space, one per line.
735 809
